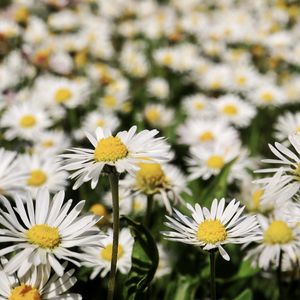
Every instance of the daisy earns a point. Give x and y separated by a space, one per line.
214 228
122 151
206 162
267 94
279 235
164 181
157 115
24 120
286 125
197 105
286 160
12 178
158 87
43 171
51 142
205 132
234 110
96 119
45 232
101 257
37 284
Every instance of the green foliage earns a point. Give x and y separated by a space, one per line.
245 295
144 262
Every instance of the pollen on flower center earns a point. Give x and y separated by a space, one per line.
296 172
37 178
106 253
206 136
230 110
44 236
98 209
150 177
198 106
28 121
63 95
48 143
211 232
278 232
215 162
109 101
100 123
110 149
24 292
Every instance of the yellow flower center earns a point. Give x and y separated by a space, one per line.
37 178
278 233
98 209
241 80
211 232
28 121
63 95
24 292
216 85
109 101
230 110
267 97
296 172
167 59
256 196
48 143
152 115
298 129
150 177
100 123
106 253
206 136
110 149
44 236
198 105
215 162
21 14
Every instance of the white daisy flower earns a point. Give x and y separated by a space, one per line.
234 110
101 257
164 181
41 172
158 87
12 178
51 143
158 115
288 161
267 95
206 132
96 119
45 232
279 235
197 105
24 120
214 228
122 151
206 162
37 284
286 125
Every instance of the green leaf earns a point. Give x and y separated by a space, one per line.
245 295
184 288
245 270
144 261
218 186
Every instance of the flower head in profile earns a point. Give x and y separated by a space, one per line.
44 232
37 284
101 256
123 152
212 229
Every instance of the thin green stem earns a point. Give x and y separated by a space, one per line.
114 185
279 277
212 256
149 210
